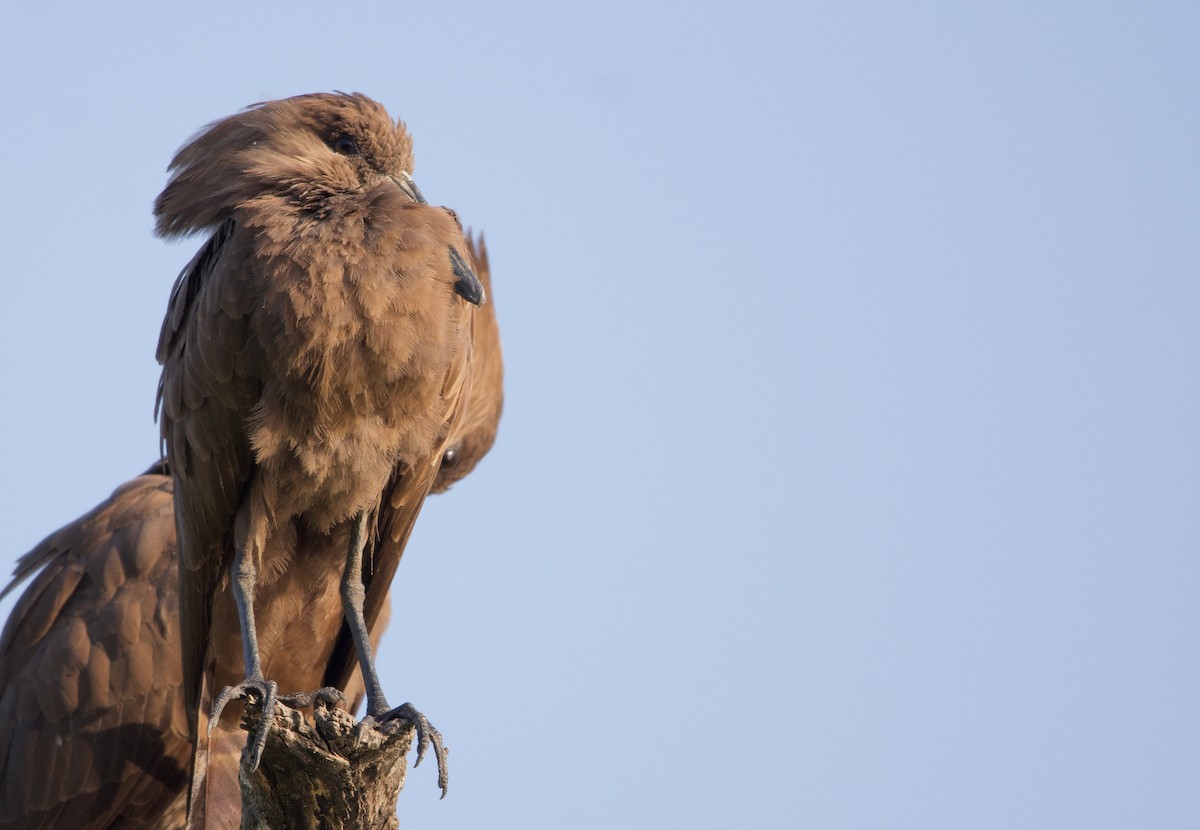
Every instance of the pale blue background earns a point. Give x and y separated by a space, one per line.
850 468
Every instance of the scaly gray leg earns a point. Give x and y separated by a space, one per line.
244 581
353 598
378 711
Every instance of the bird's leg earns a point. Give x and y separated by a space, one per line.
353 598
245 577
378 711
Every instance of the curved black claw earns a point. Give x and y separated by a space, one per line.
328 695
267 693
426 735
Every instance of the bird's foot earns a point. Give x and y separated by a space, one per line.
426 735
266 693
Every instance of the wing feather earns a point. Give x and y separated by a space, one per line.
205 336
85 669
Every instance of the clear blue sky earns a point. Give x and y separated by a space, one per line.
850 471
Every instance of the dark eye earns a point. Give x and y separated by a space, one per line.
450 459
345 145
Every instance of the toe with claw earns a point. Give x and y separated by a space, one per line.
427 735
266 693
328 695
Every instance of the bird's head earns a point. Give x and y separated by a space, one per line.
304 149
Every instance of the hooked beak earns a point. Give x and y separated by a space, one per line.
468 285
405 183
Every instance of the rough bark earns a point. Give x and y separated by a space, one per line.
329 774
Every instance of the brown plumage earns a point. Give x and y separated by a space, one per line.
316 359
90 673
93 726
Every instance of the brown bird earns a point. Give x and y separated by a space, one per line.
316 359
93 728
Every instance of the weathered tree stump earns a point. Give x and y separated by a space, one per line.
330 774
